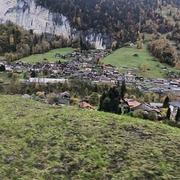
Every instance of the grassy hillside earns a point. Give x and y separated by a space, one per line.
124 57
49 55
39 141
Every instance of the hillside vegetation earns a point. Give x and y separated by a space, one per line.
122 19
17 43
51 142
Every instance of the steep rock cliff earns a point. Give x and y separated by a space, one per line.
27 14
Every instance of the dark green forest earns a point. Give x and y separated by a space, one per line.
122 19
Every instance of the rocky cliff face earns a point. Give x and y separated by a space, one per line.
27 14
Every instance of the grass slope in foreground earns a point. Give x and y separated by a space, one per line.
39 141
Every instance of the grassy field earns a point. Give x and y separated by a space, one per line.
124 57
39 141
49 55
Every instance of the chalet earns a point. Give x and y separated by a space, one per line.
129 77
84 64
156 105
175 83
86 105
54 75
57 55
132 103
144 107
159 81
9 69
64 95
52 64
120 78
64 98
174 106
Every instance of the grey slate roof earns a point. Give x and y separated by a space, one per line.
175 103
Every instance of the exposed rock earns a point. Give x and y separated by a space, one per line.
28 15
73 119
10 158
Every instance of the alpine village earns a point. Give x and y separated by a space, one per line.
89 90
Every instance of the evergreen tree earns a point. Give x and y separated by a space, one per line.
177 118
101 101
106 105
94 99
115 106
166 101
168 113
109 102
123 89
33 74
95 88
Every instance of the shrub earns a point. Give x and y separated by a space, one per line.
158 65
74 101
56 100
139 113
94 99
152 116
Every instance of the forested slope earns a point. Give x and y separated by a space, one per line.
123 19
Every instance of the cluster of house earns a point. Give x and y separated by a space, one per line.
88 65
146 107
64 99
153 107
58 98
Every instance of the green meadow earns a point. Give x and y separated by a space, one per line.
44 142
49 56
124 57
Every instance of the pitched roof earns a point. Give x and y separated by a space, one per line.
132 103
85 105
144 107
175 103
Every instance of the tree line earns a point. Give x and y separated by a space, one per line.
162 50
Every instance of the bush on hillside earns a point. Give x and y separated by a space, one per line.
152 116
139 113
